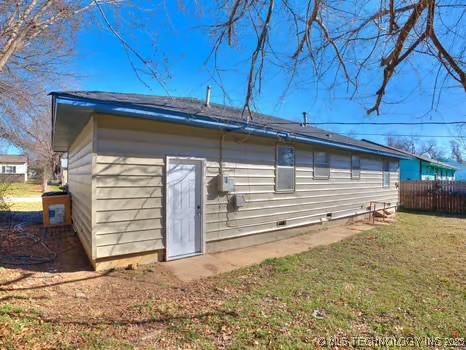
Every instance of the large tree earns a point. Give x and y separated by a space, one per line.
38 36
407 144
354 42
428 148
37 39
458 151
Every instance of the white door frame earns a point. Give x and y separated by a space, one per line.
202 162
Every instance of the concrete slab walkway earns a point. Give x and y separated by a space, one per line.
211 264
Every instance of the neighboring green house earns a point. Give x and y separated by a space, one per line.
420 168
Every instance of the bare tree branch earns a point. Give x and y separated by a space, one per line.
350 38
132 50
259 51
393 58
307 32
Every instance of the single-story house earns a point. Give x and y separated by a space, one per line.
161 178
13 168
421 168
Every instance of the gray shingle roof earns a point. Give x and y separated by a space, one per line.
426 159
217 112
7 158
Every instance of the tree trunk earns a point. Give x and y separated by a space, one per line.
45 177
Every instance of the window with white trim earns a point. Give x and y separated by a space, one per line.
9 169
355 167
321 165
285 169
386 173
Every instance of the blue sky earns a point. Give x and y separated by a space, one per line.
181 42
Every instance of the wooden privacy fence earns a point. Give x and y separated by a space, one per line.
436 196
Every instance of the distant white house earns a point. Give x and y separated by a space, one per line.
13 168
64 168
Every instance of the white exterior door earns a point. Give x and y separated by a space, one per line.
184 207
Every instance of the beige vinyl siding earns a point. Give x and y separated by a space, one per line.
80 159
129 176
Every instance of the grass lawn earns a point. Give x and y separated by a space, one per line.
25 206
26 189
406 279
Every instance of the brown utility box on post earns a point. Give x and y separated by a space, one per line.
56 208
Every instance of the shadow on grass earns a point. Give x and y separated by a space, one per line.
25 245
162 318
20 297
43 286
16 217
431 213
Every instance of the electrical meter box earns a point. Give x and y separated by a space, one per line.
239 200
225 184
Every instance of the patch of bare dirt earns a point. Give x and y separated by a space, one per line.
133 306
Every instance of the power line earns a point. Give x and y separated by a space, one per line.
403 135
372 123
329 133
350 133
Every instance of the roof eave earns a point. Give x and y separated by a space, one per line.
203 122
438 164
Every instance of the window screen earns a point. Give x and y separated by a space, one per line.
8 169
386 173
355 167
321 165
285 169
